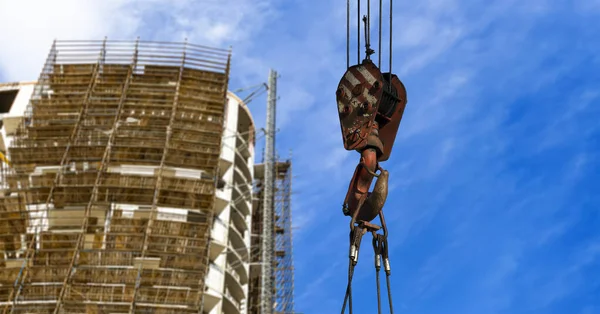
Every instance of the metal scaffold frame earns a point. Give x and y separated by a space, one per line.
109 201
271 288
284 262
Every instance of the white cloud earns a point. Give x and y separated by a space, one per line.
29 27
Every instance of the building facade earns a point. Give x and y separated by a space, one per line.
228 276
126 185
14 98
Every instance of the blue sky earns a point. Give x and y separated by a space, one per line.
494 204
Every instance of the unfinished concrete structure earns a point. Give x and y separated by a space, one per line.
227 280
110 199
14 98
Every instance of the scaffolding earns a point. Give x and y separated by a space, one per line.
271 287
282 263
108 204
255 282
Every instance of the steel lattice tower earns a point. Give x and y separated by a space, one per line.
268 248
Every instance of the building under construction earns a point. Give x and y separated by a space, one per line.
129 186
108 204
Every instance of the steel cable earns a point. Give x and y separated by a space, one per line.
388 270
389 289
378 293
391 7
377 251
368 31
348 297
358 30
348 34
380 18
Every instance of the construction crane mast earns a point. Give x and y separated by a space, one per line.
268 199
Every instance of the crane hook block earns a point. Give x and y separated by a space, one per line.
368 99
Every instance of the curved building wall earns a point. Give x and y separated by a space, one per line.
228 275
110 199
14 98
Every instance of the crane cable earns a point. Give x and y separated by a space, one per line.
380 244
355 239
388 270
385 257
377 249
368 30
380 247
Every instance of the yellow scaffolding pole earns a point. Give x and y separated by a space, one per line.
4 159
